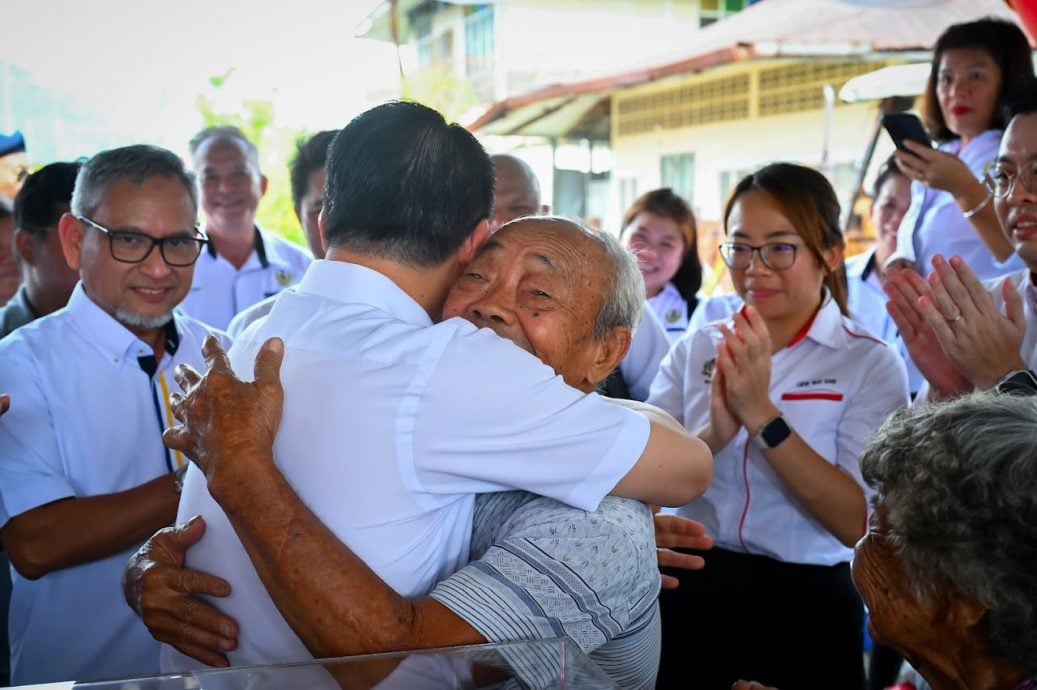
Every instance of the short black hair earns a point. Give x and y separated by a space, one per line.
38 204
888 169
311 153
1007 46
1022 100
405 185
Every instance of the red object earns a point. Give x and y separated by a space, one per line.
1027 11
834 397
902 686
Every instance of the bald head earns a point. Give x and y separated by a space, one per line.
517 191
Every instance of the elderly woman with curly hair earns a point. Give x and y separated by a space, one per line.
949 565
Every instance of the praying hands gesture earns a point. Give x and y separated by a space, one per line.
952 329
744 360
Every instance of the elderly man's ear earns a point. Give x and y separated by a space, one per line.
608 353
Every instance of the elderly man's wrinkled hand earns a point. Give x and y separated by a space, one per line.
163 593
227 422
675 532
981 342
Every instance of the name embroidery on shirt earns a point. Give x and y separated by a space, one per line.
708 367
814 389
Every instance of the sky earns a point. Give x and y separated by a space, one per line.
144 62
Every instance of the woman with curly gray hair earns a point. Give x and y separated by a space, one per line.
948 565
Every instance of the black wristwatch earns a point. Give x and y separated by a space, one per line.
1018 382
772 434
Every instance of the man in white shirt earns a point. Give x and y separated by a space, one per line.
242 264
964 334
84 477
430 414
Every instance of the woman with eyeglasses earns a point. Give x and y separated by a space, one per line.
976 66
785 394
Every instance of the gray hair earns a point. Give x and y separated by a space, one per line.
958 485
137 164
226 133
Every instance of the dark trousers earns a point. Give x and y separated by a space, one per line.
791 626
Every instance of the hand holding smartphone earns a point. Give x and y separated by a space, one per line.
905 127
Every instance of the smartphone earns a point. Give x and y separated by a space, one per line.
905 127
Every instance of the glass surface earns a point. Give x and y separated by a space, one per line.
541 665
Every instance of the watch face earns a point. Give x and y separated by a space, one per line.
774 433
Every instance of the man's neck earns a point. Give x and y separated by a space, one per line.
235 244
155 337
41 300
426 286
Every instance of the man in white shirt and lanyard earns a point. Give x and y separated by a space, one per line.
84 477
242 264
962 333
393 422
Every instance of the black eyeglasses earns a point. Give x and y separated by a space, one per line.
1000 181
776 256
135 247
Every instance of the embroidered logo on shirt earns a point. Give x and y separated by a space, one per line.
708 368
673 316
283 277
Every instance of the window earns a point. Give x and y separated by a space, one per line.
479 32
678 173
627 193
714 10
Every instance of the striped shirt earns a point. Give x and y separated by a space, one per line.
541 569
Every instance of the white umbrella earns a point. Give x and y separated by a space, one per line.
898 80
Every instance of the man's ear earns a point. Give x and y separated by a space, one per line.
322 228
25 247
473 243
609 352
71 232
263 183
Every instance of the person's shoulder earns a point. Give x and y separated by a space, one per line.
197 331
540 516
285 250
37 336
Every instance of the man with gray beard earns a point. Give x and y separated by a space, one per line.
84 477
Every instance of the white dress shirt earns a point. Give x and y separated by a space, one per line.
834 385
934 223
220 290
391 425
86 419
866 301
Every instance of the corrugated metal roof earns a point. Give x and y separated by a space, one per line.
767 29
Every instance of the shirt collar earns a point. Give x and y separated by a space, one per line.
826 328
355 284
113 339
260 247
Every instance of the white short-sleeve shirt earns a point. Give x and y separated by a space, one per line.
835 386
85 420
219 290
391 425
672 310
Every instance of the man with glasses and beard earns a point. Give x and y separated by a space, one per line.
84 477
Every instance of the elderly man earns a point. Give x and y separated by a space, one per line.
430 414
524 546
84 477
307 173
953 326
47 279
517 194
243 264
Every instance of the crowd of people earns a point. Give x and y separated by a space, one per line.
453 418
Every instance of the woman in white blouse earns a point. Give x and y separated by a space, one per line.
785 394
